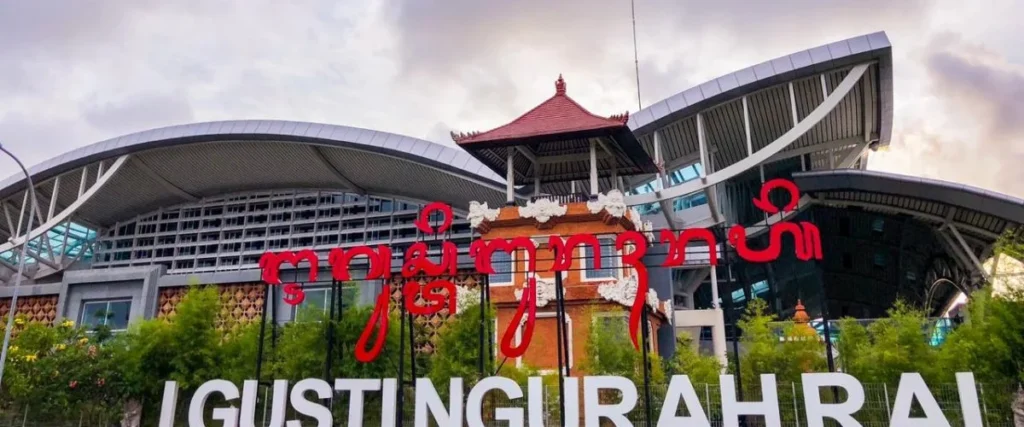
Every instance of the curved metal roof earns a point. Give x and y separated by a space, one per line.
176 164
745 111
981 213
792 67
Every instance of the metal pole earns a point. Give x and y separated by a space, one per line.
565 330
984 406
400 413
796 408
330 332
481 350
412 351
888 407
730 317
560 335
707 399
263 331
646 337
486 295
21 263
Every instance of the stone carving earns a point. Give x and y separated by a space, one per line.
623 291
478 213
614 203
545 291
640 225
542 210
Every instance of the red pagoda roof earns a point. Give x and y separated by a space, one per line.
557 115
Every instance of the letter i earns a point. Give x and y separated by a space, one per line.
169 404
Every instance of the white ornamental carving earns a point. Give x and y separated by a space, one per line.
465 297
666 306
623 291
478 213
614 203
542 210
545 291
652 299
640 225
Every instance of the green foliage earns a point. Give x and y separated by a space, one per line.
785 349
458 350
888 347
702 369
58 370
991 342
611 352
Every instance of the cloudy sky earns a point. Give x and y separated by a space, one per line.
76 72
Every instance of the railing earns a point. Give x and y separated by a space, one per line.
563 199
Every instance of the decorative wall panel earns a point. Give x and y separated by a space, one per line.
39 308
240 303
430 326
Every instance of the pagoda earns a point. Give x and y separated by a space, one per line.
564 169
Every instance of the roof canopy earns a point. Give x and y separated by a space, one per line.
114 180
980 214
555 138
558 117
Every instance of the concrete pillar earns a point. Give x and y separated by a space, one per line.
593 169
510 178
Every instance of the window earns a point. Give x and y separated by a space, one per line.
847 261
844 226
112 314
502 263
757 290
609 261
614 326
318 303
880 259
676 177
878 225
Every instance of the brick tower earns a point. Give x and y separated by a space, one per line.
564 168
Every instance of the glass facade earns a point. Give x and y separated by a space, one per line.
678 176
68 240
870 261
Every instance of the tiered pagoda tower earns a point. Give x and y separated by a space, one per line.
571 162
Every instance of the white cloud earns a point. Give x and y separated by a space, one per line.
72 74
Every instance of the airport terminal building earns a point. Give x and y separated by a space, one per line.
125 225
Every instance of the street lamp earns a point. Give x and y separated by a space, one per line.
21 261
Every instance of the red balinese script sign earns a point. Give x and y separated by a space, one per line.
806 238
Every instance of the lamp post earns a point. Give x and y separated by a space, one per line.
21 261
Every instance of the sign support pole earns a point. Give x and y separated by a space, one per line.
646 339
328 361
399 408
481 350
560 336
263 332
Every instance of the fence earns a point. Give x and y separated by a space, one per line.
995 402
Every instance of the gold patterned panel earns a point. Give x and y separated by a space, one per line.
433 324
38 308
240 303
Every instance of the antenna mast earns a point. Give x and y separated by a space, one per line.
636 60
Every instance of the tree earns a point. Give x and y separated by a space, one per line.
888 347
457 352
702 369
59 370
